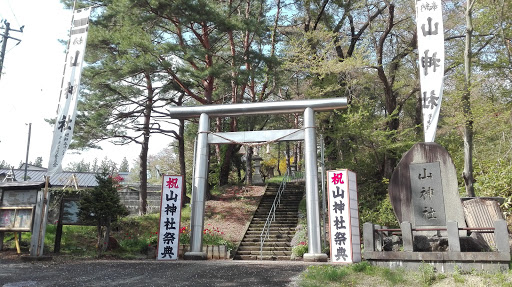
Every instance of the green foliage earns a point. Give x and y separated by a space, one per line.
125 166
300 250
325 273
39 161
395 277
211 236
352 275
214 236
102 204
374 208
457 275
362 267
185 235
4 164
428 274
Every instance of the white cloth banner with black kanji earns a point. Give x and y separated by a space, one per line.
68 98
429 20
170 217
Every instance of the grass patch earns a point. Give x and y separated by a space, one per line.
275 179
364 274
358 274
135 235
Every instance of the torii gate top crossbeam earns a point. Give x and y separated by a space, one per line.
283 107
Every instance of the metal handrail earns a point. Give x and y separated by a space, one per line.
272 213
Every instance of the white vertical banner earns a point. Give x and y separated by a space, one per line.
68 98
170 217
429 20
343 210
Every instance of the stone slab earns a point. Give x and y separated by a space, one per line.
427 194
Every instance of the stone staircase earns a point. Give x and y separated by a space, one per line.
278 245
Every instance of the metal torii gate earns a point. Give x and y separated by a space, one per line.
308 134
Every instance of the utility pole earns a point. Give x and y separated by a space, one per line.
6 36
28 146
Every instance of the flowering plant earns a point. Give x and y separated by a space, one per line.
184 235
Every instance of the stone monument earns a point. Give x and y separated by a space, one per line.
424 194
424 189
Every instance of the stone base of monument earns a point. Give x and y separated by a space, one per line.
383 247
195 256
313 257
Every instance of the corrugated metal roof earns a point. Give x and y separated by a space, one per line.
84 179
21 185
482 213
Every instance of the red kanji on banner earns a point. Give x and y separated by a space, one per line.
172 183
336 178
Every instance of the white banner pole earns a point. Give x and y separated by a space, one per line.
429 18
66 111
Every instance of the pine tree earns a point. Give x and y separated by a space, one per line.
39 161
101 206
125 166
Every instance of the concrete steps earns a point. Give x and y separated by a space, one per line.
277 245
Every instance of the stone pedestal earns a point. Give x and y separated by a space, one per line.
310 257
195 256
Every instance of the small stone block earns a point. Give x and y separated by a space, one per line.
501 236
368 236
453 236
407 238
378 238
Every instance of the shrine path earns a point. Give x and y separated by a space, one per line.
151 273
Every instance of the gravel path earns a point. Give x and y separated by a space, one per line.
150 273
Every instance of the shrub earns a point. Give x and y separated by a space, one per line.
300 249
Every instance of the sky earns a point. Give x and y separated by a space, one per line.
30 83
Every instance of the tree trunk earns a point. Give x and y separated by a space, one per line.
143 186
99 234
418 117
248 166
226 166
466 106
181 152
278 157
143 174
103 233
288 165
106 236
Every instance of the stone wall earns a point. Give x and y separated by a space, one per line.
130 198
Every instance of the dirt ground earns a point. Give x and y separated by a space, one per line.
230 212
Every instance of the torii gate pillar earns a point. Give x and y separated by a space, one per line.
312 203
199 186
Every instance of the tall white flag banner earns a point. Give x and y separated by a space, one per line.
68 99
429 19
